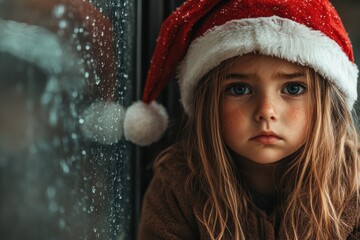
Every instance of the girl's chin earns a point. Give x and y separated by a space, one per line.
268 157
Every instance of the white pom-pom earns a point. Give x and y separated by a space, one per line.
144 124
103 122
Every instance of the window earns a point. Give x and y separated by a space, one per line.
65 66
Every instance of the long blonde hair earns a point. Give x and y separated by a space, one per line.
326 172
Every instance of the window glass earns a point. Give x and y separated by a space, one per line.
65 73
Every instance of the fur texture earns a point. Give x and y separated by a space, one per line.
272 36
145 123
103 122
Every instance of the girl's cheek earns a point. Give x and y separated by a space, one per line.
298 116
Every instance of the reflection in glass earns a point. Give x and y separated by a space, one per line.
59 180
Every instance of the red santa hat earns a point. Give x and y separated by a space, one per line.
201 34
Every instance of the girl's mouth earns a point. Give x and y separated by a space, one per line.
266 138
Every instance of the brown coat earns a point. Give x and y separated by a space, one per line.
167 212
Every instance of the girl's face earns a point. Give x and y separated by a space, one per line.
265 109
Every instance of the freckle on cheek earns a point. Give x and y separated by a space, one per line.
298 118
295 112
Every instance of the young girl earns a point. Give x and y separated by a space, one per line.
269 149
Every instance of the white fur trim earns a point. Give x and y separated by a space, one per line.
103 122
36 45
145 123
273 36
45 50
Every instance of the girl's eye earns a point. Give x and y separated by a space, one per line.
238 90
294 89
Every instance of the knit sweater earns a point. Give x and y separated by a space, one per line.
168 211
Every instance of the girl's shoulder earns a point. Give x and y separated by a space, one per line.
351 215
168 200
173 175
352 207
171 167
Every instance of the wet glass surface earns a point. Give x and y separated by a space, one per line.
65 73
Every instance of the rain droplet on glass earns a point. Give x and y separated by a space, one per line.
50 192
59 10
63 24
61 223
64 167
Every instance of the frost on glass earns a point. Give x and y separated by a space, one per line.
64 165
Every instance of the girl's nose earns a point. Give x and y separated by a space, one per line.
266 109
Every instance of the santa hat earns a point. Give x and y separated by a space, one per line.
200 35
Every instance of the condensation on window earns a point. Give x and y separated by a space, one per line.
65 73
